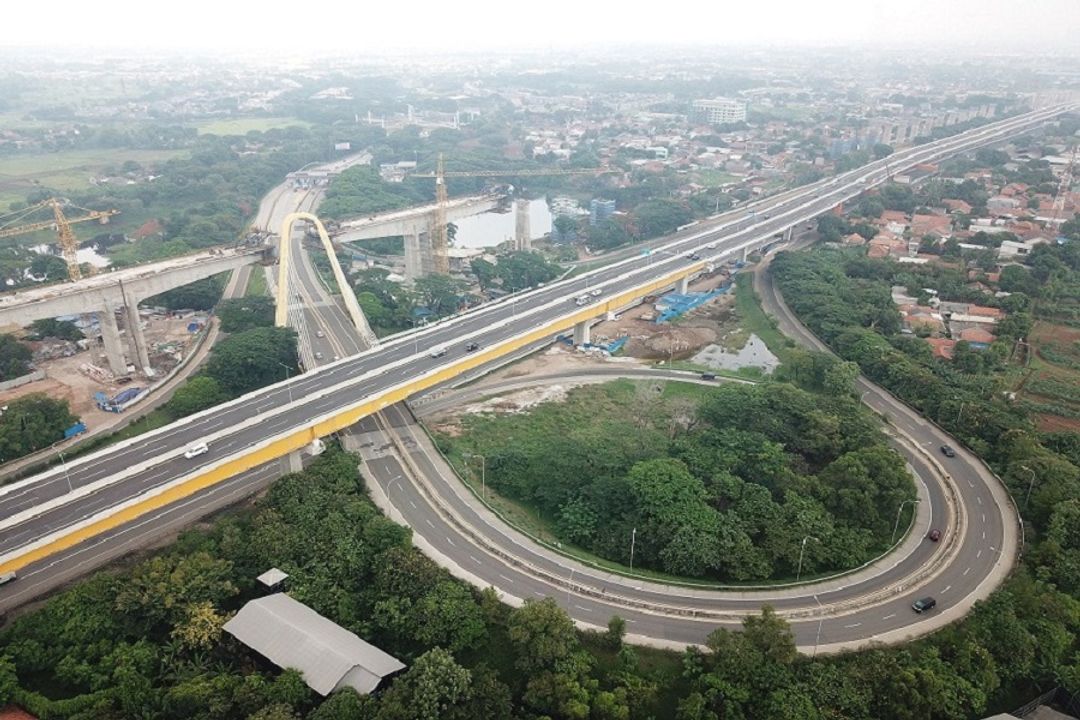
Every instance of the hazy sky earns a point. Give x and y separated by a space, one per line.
358 25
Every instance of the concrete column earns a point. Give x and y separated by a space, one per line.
684 285
110 335
427 254
292 462
522 229
745 253
581 333
413 260
135 337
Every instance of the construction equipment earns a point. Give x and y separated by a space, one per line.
69 245
439 241
1063 189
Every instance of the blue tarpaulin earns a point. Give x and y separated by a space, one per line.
673 305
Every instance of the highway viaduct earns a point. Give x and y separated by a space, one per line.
43 516
124 289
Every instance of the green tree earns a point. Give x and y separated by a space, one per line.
49 267
484 272
197 394
245 313
542 635
440 294
252 359
521 270
31 423
200 295
60 329
14 358
431 689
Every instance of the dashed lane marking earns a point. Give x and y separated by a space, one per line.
509 580
853 625
889 616
947 589
966 571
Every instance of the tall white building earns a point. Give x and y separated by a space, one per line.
720 111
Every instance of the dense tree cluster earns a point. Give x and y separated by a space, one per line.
14 357
32 422
724 487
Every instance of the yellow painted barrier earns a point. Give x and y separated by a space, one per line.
339 421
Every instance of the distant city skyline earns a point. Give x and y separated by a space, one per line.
976 26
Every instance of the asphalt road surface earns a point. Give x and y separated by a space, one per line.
45 504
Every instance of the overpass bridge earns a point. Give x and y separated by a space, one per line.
416 226
62 508
121 289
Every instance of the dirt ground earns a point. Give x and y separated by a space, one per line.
711 323
167 340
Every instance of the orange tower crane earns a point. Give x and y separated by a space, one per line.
69 245
439 241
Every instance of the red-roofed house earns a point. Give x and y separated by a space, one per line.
957 206
981 311
978 335
942 347
895 216
940 225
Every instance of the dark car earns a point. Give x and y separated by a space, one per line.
923 604
947 451
472 347
934 535
708 376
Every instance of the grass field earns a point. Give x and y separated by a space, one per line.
69 170
715 178
256 286
754 319
242 126
1052 389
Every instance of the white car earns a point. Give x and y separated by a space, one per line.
438 353
710 246
319 334
597 292
196 450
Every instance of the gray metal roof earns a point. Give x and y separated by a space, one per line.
292 635
272 577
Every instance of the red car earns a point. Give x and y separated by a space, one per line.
934 535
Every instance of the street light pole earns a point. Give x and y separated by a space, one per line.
821 620
67 475
802 549
1031 484
633 538
896 525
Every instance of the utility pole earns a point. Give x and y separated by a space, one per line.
802 549
633 538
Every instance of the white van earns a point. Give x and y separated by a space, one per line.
196 450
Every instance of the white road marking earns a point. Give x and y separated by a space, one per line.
889 617
966 571
947 589
538 593
509 580
450 541
473 558
412 504
984 535
853 625
978 499
984 517
430 524
978 555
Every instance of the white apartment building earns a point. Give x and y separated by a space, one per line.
720 111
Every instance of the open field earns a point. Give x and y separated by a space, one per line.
1052 390
69 170
242 126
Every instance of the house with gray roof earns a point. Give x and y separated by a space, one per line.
292 635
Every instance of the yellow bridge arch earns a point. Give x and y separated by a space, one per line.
281 310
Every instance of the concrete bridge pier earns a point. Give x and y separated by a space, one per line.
683 285
414 267
139 354
110 336
745 253
522 229
582 335
293 462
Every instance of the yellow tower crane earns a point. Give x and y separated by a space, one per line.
69 245
439 240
